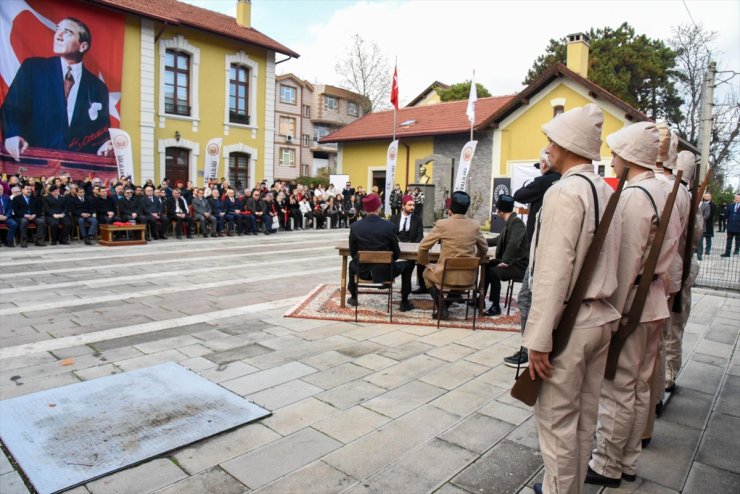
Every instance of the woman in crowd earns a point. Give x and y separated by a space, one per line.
418 196
331 211
307 211
294 211
318 211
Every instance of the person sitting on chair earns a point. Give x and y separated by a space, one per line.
409 229
460 237
512 256
377 234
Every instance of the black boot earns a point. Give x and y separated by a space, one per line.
439 312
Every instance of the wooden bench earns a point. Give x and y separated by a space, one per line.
107 231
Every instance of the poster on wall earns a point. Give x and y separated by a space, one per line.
61 63
501 185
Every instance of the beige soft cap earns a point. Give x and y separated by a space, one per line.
665 141
670 163
686 162
578 130
637 144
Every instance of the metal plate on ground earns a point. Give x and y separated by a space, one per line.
70 435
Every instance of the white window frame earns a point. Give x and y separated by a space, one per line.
295 94
180 43
194 149
356 113
241 58
291 152
240 147
327 97
306 111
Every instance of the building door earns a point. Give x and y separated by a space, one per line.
378 180
239 170
177 165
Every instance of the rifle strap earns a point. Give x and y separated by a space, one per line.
652 201
596 199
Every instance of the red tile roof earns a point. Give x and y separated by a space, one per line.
439 119
178 13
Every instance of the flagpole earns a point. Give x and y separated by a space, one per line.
395 72
473 122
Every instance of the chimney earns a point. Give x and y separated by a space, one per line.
577 54
244 13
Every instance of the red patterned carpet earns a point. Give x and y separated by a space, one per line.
323 303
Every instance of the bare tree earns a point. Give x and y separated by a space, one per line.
694 45
365 70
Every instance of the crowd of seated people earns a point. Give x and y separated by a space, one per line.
59 209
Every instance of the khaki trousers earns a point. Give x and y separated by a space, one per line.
657 380
674 337
625 404
566 409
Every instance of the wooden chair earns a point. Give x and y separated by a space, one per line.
365 257
469 264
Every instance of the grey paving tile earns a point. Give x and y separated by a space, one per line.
719 446
350 394
268 378
147 477
406 351
668 459
351 424
218 449
359 349
403 399
688 407
284 394
316 477
468 398
477 433
374 362
326 360
424 470
280 457
374 451
212 480
502 470
225 372
705 479
729 397
12 483
508 413
453 375
403 372
98 371
336 376
299 415
151 359
526 434
238 353
5 465
451 353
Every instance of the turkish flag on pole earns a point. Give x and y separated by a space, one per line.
394 88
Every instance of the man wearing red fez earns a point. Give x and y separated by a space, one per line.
378 234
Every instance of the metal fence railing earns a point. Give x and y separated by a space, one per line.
719 272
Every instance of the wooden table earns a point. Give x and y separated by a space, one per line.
107 231
410 252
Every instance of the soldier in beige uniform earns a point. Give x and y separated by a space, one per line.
460 236
664 173
568 400
625 401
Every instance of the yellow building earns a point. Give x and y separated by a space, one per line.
190 75
507 128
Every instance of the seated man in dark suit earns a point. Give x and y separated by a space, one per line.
105 210
27 209
180 214
151 214
217 210
253 210
128 207
203 212
512 252
232 208
375 233
82 212
410 229
6 218
55 210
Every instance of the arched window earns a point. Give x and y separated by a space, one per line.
239 94
239 170
177 164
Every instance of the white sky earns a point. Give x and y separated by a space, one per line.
447 40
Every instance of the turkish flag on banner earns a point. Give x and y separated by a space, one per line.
394 88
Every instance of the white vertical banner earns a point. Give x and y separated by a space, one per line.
123 152
466 156
212 158
390 173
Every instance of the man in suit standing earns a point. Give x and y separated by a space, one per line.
180 214
27 209
55 210
512 252
375 233
460 236
56 103
82 211
708 210
6 218
733 227
409 229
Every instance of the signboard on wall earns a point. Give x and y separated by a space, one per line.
501 185
61 65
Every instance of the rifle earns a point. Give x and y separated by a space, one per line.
688 251
628 323
525 389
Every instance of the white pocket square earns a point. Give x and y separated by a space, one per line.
93 110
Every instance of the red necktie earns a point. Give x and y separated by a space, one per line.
69 81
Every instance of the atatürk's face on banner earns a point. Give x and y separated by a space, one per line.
67 39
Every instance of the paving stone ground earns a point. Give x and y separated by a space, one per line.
360 408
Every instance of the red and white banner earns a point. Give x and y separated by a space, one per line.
466 156
390 173
61 65
124 153
212 159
